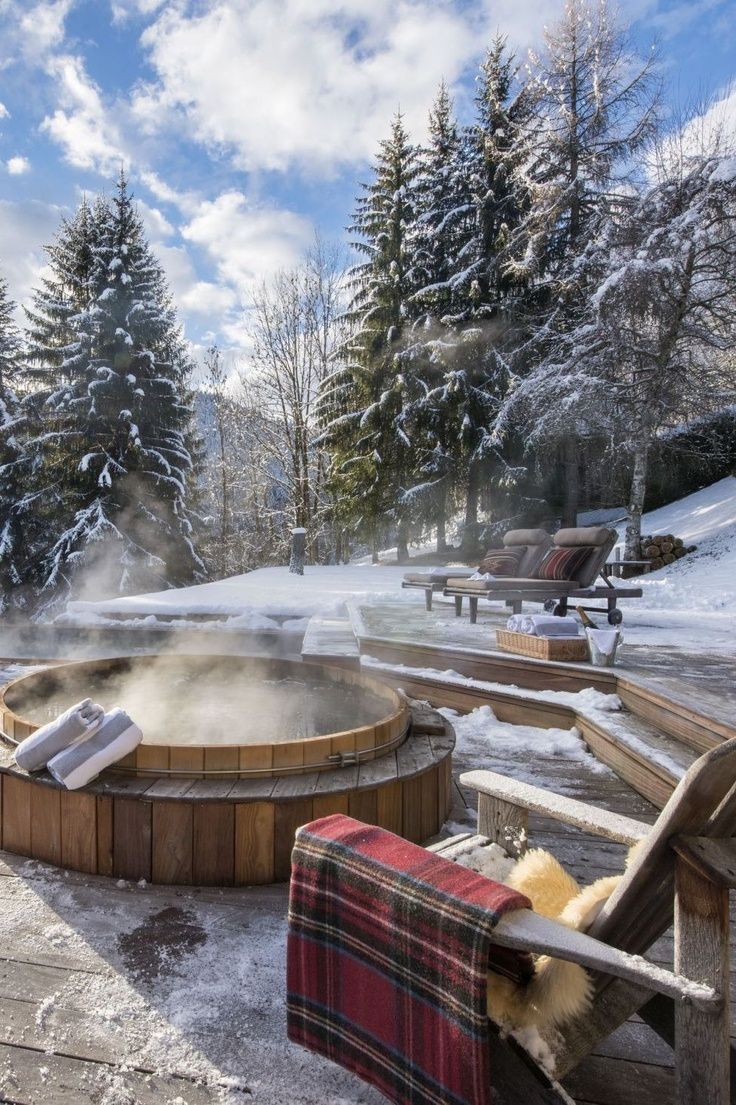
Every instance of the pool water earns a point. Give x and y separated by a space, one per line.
207 700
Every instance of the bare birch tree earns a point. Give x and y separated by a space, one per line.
294 327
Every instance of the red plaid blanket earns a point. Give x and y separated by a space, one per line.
388 951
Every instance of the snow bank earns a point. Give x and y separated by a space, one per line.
268 592
706 579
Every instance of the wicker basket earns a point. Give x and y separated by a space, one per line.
543 648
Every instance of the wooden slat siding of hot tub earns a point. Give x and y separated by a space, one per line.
256 756
324 805
290 754
390 807
172 833
222 758
46 825
105 812
288 816
213 862
79 831
363 806
16 814
132 839
254 848
345 742
151 757
316 750
183 758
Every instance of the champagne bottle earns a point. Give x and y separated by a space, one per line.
587 622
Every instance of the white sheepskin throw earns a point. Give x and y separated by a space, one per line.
559 991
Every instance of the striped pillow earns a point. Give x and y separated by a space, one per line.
502 562
563 564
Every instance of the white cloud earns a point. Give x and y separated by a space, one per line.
25 228
307 81
32 30
4 113
122 10
16 166
82 125
247 243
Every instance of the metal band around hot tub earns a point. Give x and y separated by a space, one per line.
338 759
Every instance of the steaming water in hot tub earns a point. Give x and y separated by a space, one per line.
206 700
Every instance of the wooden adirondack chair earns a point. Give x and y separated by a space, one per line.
683 871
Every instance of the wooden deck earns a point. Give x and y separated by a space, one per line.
113 993
93 973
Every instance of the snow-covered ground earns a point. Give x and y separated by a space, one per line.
691 602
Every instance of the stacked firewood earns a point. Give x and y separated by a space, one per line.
663 548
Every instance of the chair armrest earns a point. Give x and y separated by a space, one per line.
600 822
527 931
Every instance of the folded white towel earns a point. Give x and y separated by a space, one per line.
549 625
485 576
80 720
83 762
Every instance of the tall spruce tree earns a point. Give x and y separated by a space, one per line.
13 553
112 421
367 402
483 198
594 109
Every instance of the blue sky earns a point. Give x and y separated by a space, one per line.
245 124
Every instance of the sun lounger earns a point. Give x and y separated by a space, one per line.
433 581
553 593
531 544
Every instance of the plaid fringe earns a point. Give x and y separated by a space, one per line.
388 951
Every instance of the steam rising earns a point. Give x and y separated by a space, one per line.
220 700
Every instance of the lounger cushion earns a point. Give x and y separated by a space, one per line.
527 537
563 563
503 562
510 583
435 576
582 535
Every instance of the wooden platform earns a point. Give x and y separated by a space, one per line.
221 832
69 940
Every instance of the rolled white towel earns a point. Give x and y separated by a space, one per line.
80 720
526 625
515 623
549 625
83 762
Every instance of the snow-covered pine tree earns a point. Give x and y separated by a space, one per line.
367 403
465 362
13 552
112 463
594 109
442 209
662 318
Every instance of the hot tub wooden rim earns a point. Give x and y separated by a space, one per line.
335 781
397 720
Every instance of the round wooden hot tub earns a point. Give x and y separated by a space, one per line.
237 753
